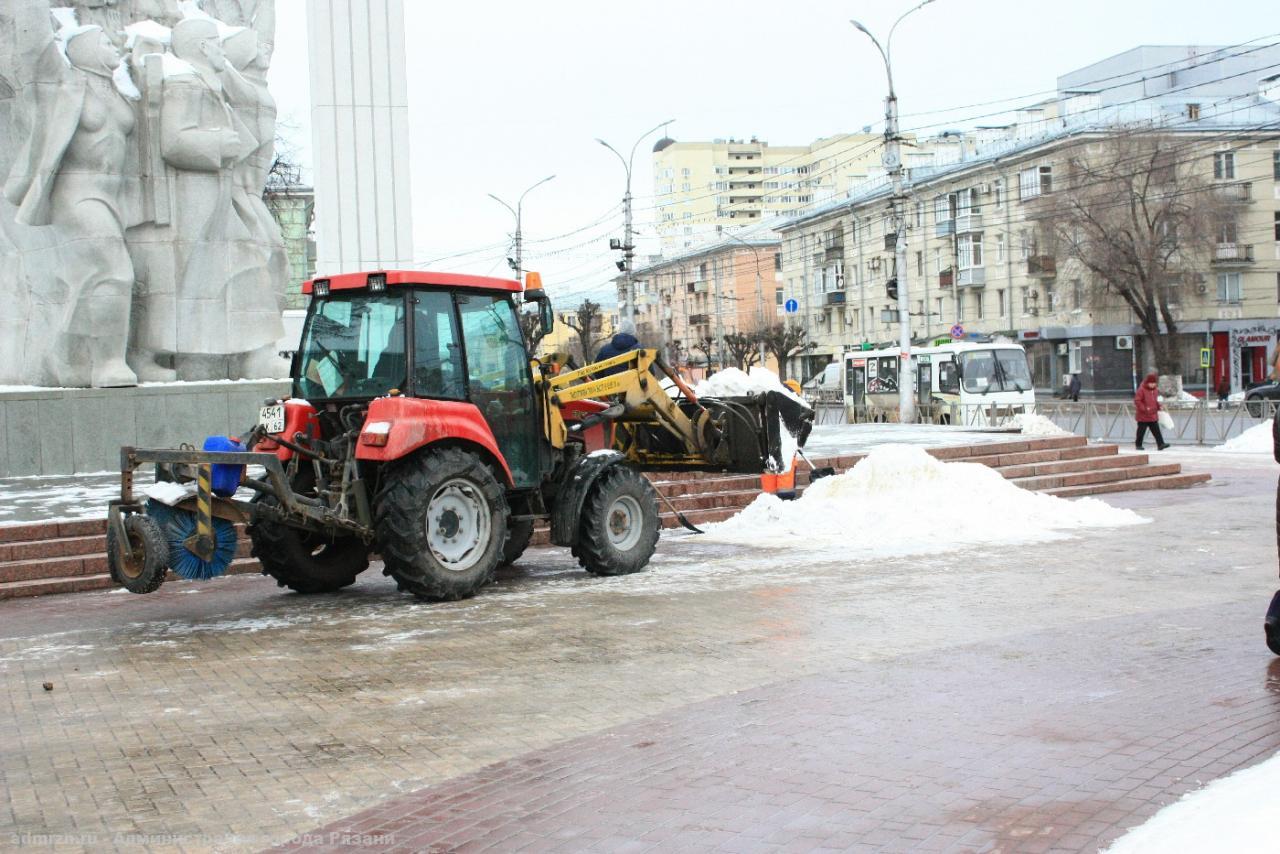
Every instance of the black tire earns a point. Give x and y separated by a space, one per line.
519 534
306 561
1254 406
469 504
146 572
619 527
1273 637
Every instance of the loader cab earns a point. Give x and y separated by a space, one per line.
444 337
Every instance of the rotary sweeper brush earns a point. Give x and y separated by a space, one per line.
420 430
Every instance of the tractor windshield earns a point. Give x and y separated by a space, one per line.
353 346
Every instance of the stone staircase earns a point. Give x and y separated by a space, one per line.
66 557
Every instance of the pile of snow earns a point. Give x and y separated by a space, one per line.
1255 440
732 382
1236 814
1036 425
899 500
1184 400
167 492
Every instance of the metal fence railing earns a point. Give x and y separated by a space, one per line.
1196 424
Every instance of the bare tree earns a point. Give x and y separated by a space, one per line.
705 344
782 342
531 326
588 328
1134 215
743 348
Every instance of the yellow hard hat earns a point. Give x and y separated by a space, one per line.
793 385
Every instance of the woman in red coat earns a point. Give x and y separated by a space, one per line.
1147 405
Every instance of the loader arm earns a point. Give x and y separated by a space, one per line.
654 431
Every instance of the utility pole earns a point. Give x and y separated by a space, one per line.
628 247
893 164
517 263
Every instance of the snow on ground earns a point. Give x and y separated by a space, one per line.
1255 440
899 501
732 382
1036 425
1235 814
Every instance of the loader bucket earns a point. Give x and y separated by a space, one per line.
759 432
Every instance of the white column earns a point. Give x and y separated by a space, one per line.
360 129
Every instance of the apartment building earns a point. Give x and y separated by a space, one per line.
702 188
980 258
707 293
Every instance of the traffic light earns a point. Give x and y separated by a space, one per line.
891 288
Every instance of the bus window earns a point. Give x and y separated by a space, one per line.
1014 370
979 372
948 378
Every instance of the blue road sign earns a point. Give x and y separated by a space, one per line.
791 306
957 331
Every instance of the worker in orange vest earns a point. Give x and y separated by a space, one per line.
783 485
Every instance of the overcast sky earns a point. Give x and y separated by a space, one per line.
503 94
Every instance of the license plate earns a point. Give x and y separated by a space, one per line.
271 418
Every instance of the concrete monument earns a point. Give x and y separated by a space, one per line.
133 239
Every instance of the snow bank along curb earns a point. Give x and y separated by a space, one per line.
899 500
1255 440
1236 814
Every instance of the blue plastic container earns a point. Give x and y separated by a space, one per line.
226 479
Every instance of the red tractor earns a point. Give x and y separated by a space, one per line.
419 429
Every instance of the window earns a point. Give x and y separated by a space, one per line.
1073 357
1077 294
1193 112
948 378
354 347
1227 232
980 303
1224 165
959 306
942 209
1229 287
498 378
919 214
937 260
1277 216
1275 165
969 251
1036 181
995 370
999 248
937 303
1000 302
437 358
684 173
1277 287
686 187
920 255
999 191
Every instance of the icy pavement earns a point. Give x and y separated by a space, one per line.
832 439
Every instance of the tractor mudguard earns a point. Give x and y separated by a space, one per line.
405 424
568 506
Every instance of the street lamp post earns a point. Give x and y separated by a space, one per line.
628 245
517 262
893 164
759 292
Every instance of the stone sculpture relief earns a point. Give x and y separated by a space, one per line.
134 241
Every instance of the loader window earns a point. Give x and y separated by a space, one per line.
353 346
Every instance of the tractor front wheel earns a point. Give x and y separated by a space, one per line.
442 524
307 561
143 570
619 526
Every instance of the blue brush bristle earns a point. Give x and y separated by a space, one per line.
178 525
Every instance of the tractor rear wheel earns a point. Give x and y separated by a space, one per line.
442 523
145 570
519 534
619 526
307 561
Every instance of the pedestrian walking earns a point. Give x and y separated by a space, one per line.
1272 624
1146 404
1224 391
1073 390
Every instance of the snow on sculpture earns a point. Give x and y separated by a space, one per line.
133 237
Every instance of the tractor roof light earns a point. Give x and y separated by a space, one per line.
533 281
320 287
377 282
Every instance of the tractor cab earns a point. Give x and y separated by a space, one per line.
451 342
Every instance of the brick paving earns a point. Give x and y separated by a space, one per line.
1002 698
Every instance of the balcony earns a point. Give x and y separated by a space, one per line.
698 287
752 187
968 223
891 241
835 298
698 319
1042 266
834 252
1232 254
946 278
945 228
971 277
1234 194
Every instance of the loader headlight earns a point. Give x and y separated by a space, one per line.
375 433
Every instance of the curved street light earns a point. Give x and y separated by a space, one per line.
517 262
628 249
893 164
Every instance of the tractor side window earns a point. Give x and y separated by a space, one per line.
354 346
498 374
437 353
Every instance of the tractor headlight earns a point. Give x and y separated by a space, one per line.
375 433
